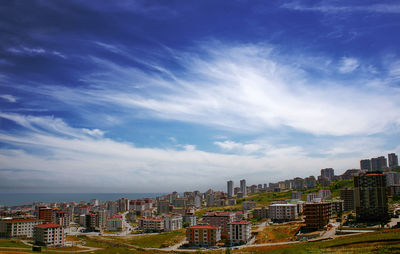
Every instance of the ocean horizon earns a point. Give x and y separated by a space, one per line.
17 199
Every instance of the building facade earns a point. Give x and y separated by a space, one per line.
371 202
347 195
51 235
283 212
203 235
18 227
239 232
317 214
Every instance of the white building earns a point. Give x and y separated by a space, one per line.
239 232
197 201
49 235
190 218
311 197
283 212
172 222
18 227
324 194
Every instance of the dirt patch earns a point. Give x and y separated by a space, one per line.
278 233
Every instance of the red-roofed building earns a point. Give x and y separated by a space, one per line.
203 235
239 232
151 224
18 227
49 235
219 219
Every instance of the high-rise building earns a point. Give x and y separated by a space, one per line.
347 195
230 188
371 201
392 178
243 188
393 160
317 214
365 164
328 173
379 163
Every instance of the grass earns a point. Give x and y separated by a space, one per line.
145 241
13 243
385 241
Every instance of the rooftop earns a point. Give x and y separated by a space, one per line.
50 225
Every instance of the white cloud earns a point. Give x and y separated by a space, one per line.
245 88
22 50
8 97
83 162
328 8
229 145
348 64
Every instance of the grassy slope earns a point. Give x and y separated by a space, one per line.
388 239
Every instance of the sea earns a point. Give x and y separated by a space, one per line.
16 199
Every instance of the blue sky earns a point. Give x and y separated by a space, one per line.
156 96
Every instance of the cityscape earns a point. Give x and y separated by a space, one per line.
208 126
359 201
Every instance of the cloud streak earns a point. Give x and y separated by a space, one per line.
243 88
101 164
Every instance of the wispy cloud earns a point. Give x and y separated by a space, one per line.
22 50
348 64
328 7
8 97
244 88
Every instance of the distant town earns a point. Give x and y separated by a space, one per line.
359 201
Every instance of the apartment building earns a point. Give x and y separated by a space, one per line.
172 222
115 224
317 214
260 213
347 195
18 227
203 235
51 235
239 232
371 201
151 224
283 212
219 219
248 205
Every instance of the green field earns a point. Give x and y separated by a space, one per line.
387 241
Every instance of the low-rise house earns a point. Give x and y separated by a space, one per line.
51 235
203 235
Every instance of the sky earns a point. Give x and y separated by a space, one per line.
157 96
